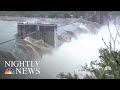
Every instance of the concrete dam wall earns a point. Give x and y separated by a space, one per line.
46 32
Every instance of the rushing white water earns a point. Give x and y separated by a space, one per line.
70 56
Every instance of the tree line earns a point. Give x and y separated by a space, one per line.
51 14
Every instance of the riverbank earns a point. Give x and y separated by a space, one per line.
20 18
58 21
12 18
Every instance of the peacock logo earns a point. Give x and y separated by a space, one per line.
9 71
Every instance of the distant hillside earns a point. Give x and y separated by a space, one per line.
51 14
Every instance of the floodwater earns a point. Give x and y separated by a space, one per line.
69 56
8 29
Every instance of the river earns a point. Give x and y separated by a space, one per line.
66 58
8 29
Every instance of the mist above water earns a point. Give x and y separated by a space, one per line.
70 56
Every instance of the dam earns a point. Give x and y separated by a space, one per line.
46 32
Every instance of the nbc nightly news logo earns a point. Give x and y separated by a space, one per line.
22 67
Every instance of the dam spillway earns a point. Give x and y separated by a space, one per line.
46 32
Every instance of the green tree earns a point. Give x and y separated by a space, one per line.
67 76
107 68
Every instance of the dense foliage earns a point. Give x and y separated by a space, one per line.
107 68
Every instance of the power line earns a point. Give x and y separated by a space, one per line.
36 31
16 38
